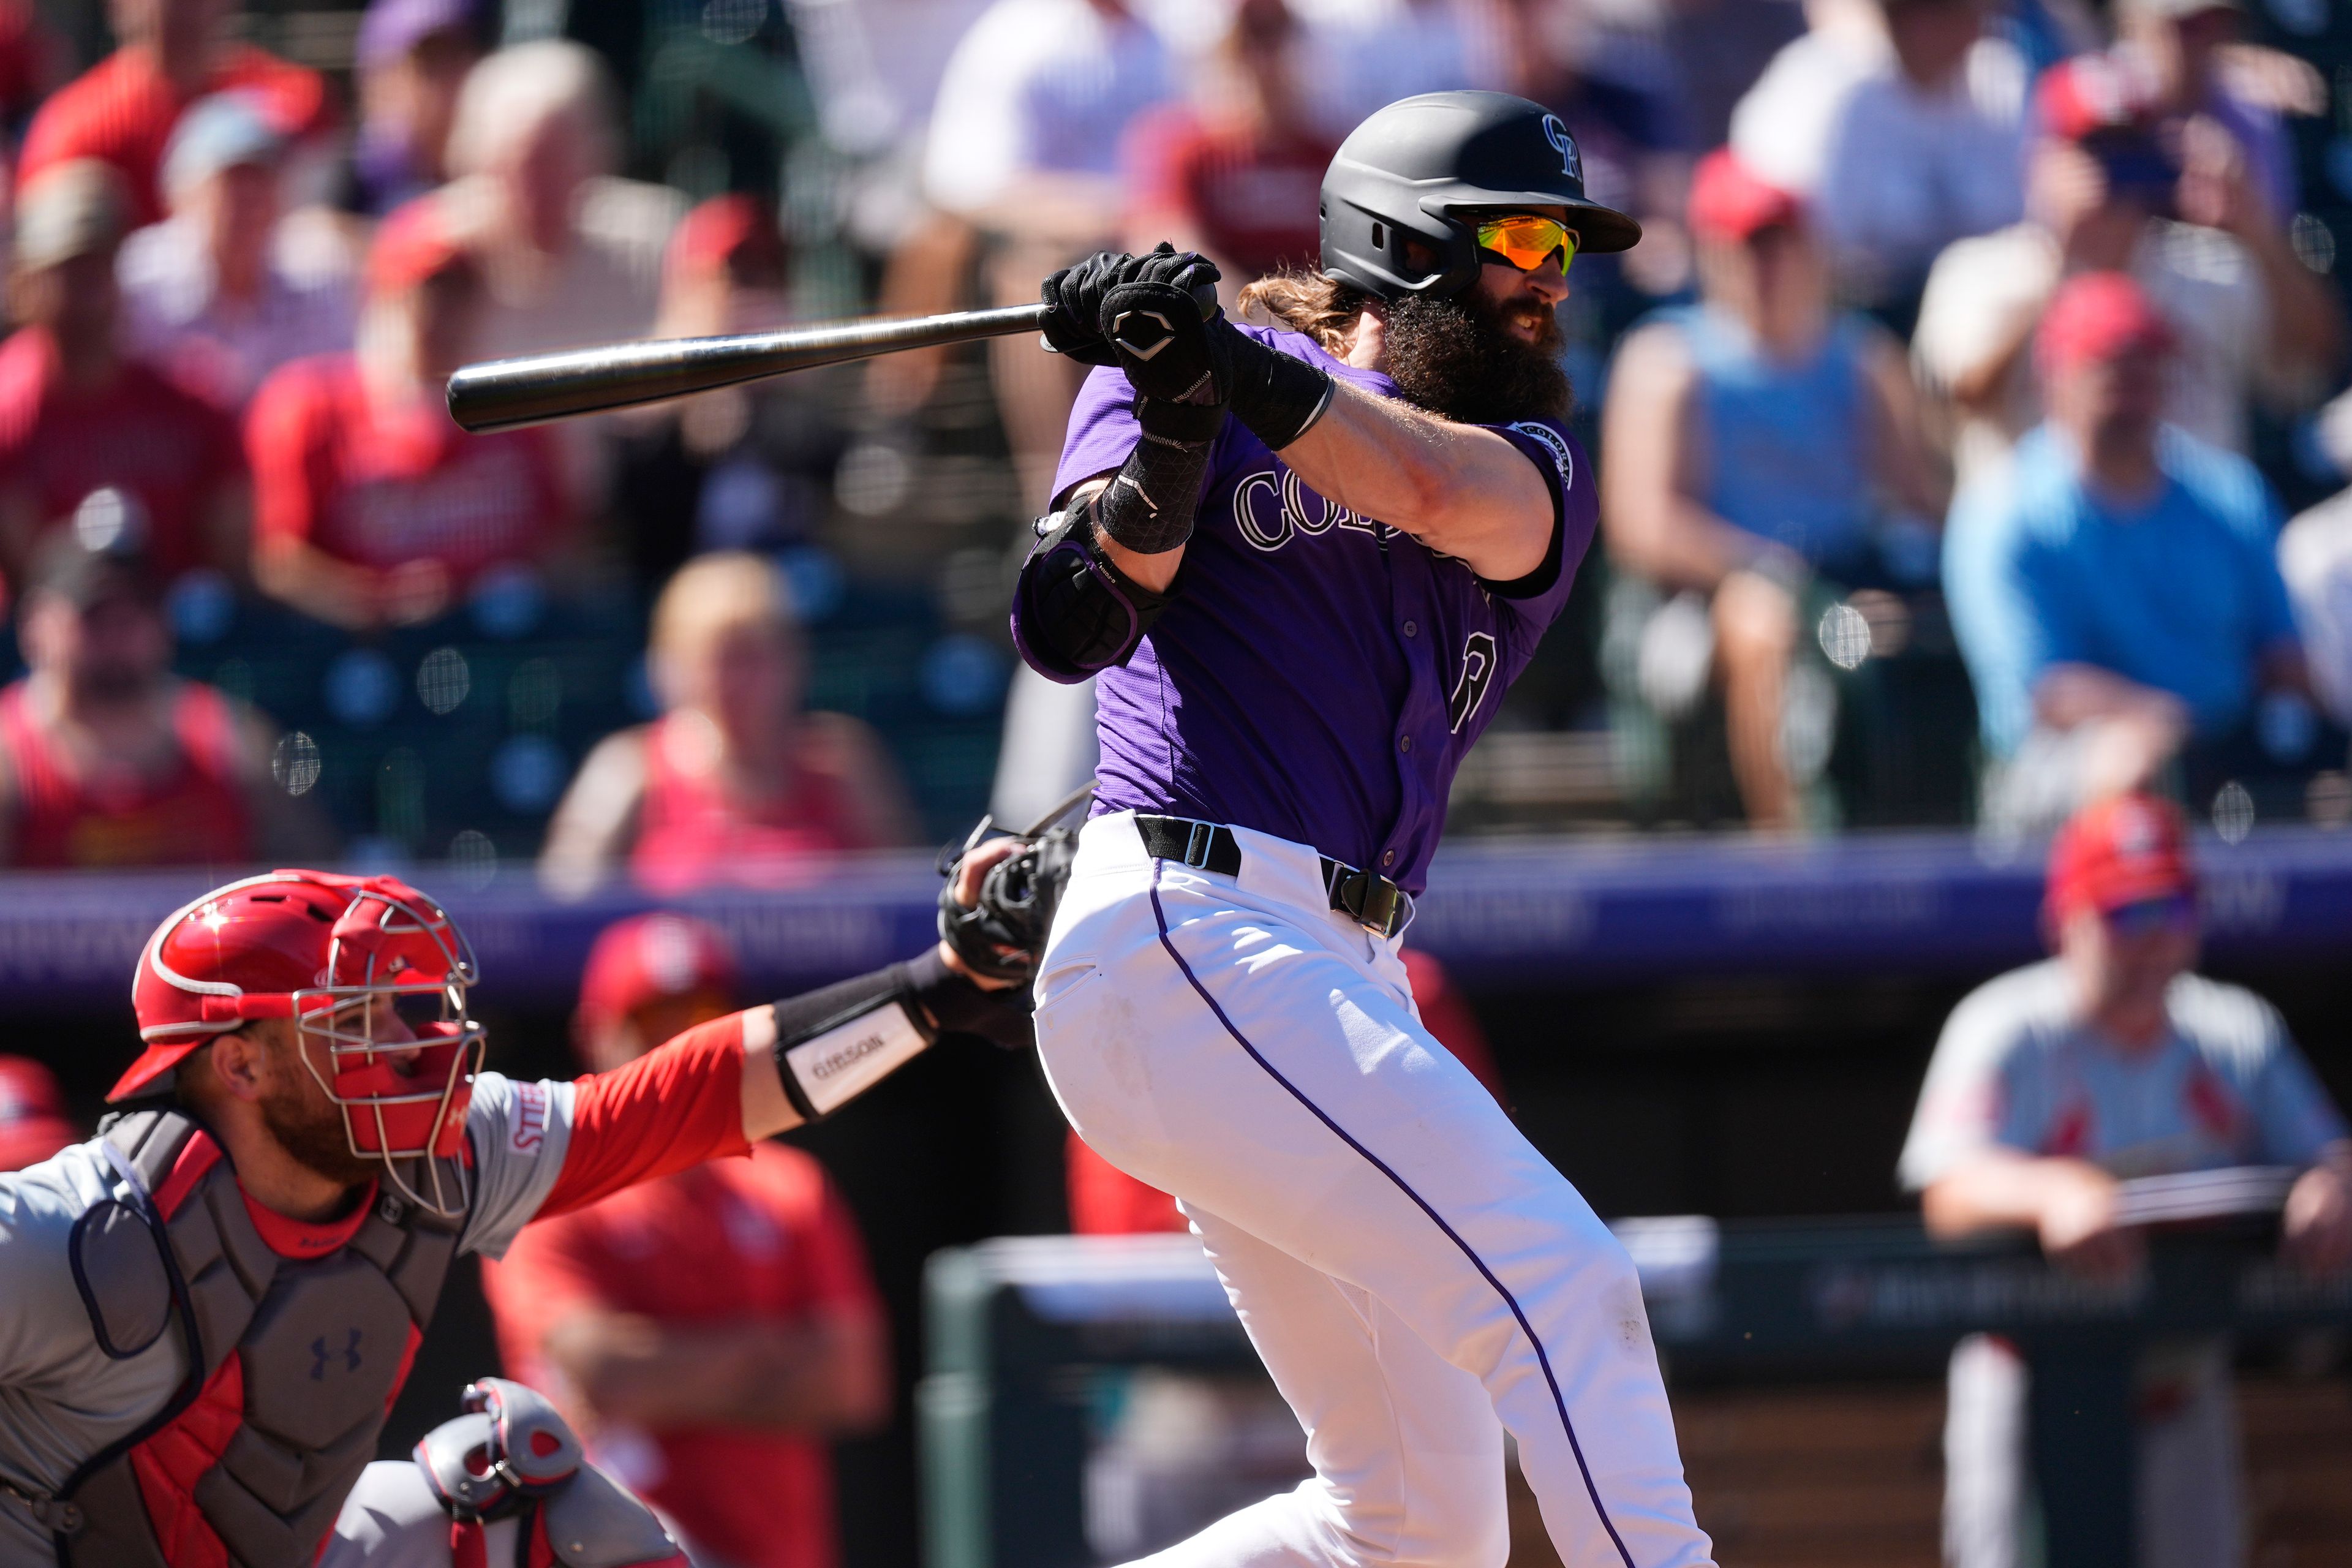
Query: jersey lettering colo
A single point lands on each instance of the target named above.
(1319, 675)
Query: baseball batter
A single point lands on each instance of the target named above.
(1305, 561)
(206, 1310)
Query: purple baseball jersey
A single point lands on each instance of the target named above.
(1319, 675)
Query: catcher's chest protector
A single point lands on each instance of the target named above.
(294, 1361)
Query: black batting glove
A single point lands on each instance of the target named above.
(1180, 363)
(1074, 297)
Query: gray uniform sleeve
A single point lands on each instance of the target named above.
(1963, 1106)
(519, 1132)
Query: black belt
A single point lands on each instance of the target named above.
(1369, 899)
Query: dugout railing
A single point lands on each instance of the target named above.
(1022, 1333)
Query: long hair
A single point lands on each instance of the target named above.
(1305, 303)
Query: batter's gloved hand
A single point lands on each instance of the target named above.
(1189, 368)
(1073, 297)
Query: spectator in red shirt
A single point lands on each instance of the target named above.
(1107, 1201)
(78, 415)
(106, 759)
(707, 1333)
(1238, 177)
(173, 52)
(372, 507)
(737, 784)
(32, 1124)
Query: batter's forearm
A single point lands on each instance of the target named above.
(1456, 488)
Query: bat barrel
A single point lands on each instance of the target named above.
(504, 393)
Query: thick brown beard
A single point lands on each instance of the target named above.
(315, 1136)
(1457, 359)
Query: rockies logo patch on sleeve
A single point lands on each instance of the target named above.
(1556, 443)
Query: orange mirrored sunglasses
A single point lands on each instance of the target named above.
(1525, 241)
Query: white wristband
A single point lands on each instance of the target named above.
(833, 1068)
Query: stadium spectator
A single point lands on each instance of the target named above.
(1782, 126)
(1107, 1201)
(1023, 146)
(2114, 588)
(2054, 1083)
(169, 53)
(744, 467)
(709, 1332)
(2103, 195)
(372, 507)
(77, 415)
(1751, 443)
(1236, 176)
(411, 61)
(227, 290)
(736, 784)
(571, 253)
(1926, 149)
(2316, 558)
(1368, 53)
(2181, 52)
(32, 60)
(108, 760)
(33, 1121)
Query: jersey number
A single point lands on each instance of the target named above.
(1477, 674)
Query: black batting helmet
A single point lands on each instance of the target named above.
(1411, 170)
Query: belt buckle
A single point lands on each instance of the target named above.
(1197, 846)
(1375, 904)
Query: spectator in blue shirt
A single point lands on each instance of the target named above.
(2115, 591)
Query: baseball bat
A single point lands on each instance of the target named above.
(501, 395)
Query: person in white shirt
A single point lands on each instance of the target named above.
(2104, 197)
(227, 290)
(1024, 147)
(571, 254)
(1928, 148)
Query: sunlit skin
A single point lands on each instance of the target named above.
(269, 1072)
(2120, 969)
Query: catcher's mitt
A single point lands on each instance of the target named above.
(1004, 935)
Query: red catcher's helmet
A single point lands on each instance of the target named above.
(366, 966)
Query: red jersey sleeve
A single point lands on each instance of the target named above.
(673, 1108)
(281, 435)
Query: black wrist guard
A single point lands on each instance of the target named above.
(835, 1044)
(1079, 612)
(1150, 504)
(1279, 398)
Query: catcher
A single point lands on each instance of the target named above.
(206, 1310)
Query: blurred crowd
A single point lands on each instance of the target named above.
(1948, 418)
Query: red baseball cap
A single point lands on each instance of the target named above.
(1730, 201)
(651, 958)
(32, 1124)
(2085, 96)
(416, 242)
(717, 231)
(2123, 850)
(2097, 318)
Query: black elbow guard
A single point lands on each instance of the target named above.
(1076, 612)
(835, 1044)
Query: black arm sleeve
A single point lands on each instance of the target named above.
(835, 1042)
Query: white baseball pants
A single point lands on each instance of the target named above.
(1408, 1266)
